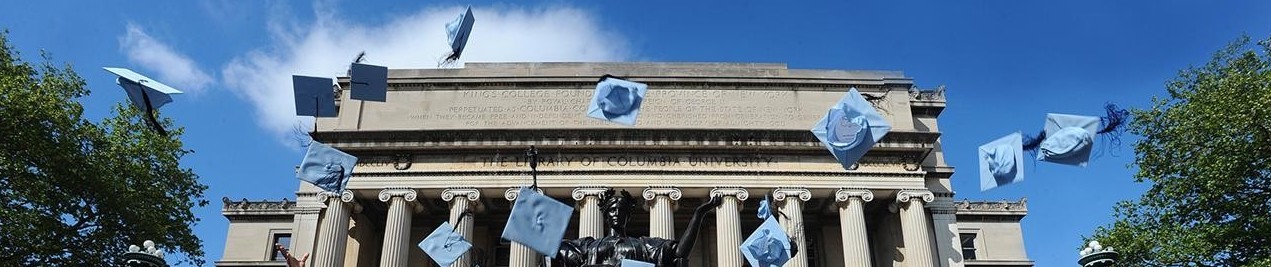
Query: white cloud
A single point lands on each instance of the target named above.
(324, 47)
(173, 68)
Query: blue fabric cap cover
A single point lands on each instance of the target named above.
(765, 208)
(768, 246)
(457, 32)
(635, 263)
(538, 222)
(369, 82)
(1069, 139)
(850, 128)
(1002, 162)
(444, 246)
(140, 88)
(314, 96)
(326, 167)
(617, 100)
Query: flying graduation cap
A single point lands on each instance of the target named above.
(768, 246)
(1002, 162)
(326, 167)
(457, 32)
(445, 246)
(617, 100)
(635, 263)
(850, 128)
(538, 222)
(314, 96)
(146, 94)
(1068, 139)
(369, 82)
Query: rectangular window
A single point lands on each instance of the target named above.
(968, 245)
(281, 238)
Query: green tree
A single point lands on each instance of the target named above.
(1206, 150)
(77, 193)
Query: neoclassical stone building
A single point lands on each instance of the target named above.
(454, 140)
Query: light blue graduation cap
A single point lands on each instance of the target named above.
(326, 167)
(444, 246)
(1069, 139)
(617, 100)
(635, 263)
(369, 82)
(850, 128)
(457, 32)
(314, 96)
(538, 222)
(1002, 162)
(765, 208)
(768, 246)
(146, 94)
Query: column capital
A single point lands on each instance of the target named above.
(738, 192)
(345, 196)
(845, 194)
(408, 194)
(914, 194)
(652, 192)
(582, 192)
(514, 192)
(450, 193)
(781, 193)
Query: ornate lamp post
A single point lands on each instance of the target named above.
(150, 257)
(1095, 255)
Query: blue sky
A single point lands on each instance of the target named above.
(1005, 64)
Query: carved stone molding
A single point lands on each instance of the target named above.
(514, 192)
(671, 192)
(582, 192)
(245, 204)
(738, 192)
(781, 193)
(450, 193)
(1021, 205)
(406, 193)
(845, 194)
(912, 194)
(402, 162)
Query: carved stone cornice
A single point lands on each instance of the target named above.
(845, 194)
(913, 194)
(740, 193)
(281, 205)
(1004, 207)
(781, 193)
(514, 192)
(472, 194)
(582, 192)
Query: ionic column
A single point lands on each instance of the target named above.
(334, 230)
(793, 199)
(520, 256)
(913, 220)
(728, 225)
(852, 218)
(590, 222)
(401, 207)
(661, 210)
(460, 199)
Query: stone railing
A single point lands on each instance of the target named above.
(992, 207)
(263, 207)
(927, 95)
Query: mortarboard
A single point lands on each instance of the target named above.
(369, 82)
(457, 32)
(850, 128)
(444, 246)
(768, 246)
(765, 208)
(1002, 162)
(314, 96)
(538, 222)
(146, 94)
(635, 263)
(326, 167)
(1069, 139)
(617, 100)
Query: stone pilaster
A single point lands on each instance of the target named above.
(728, 225)
(333, 233)
(851, 204)
(662, 202)
(460, 199)
(945, 221)
(401, 208)
(913, 221)
(590, 221)
(520, 255)
(792, 206)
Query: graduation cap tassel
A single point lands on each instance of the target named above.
(458, 221)
(1031, 143)
(154, 123)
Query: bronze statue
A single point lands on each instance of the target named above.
(612, 249)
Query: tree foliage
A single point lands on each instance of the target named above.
(1206, 150)
(78, 193)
